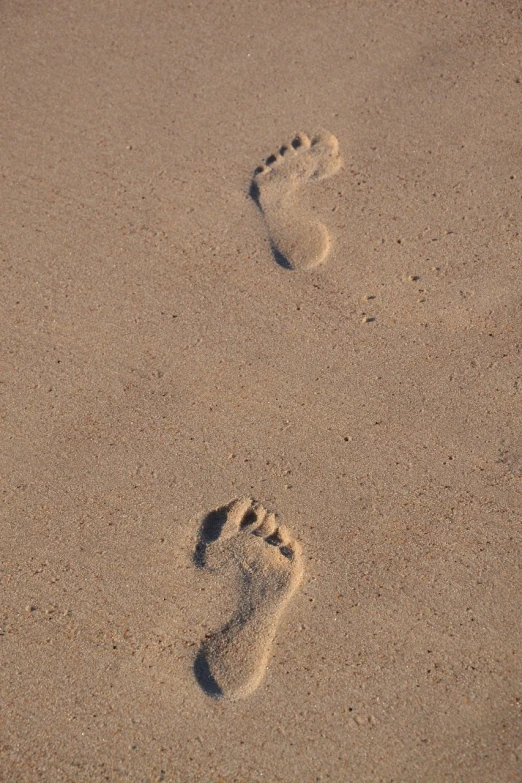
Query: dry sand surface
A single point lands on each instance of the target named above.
(261, 451)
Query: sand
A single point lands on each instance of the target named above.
(261, 448)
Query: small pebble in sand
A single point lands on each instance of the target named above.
(30, 608)
(368, 319)
(413, 278)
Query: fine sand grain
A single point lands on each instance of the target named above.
(261, 391)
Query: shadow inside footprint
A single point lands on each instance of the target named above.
(254, 194)
(210, 531)
(205, 679)
(279, 258)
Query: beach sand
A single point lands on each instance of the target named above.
(262, 451)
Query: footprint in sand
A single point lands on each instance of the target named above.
(244, 537)
(298, 241)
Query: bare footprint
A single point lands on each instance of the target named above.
(244, 536)
(298, 241)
